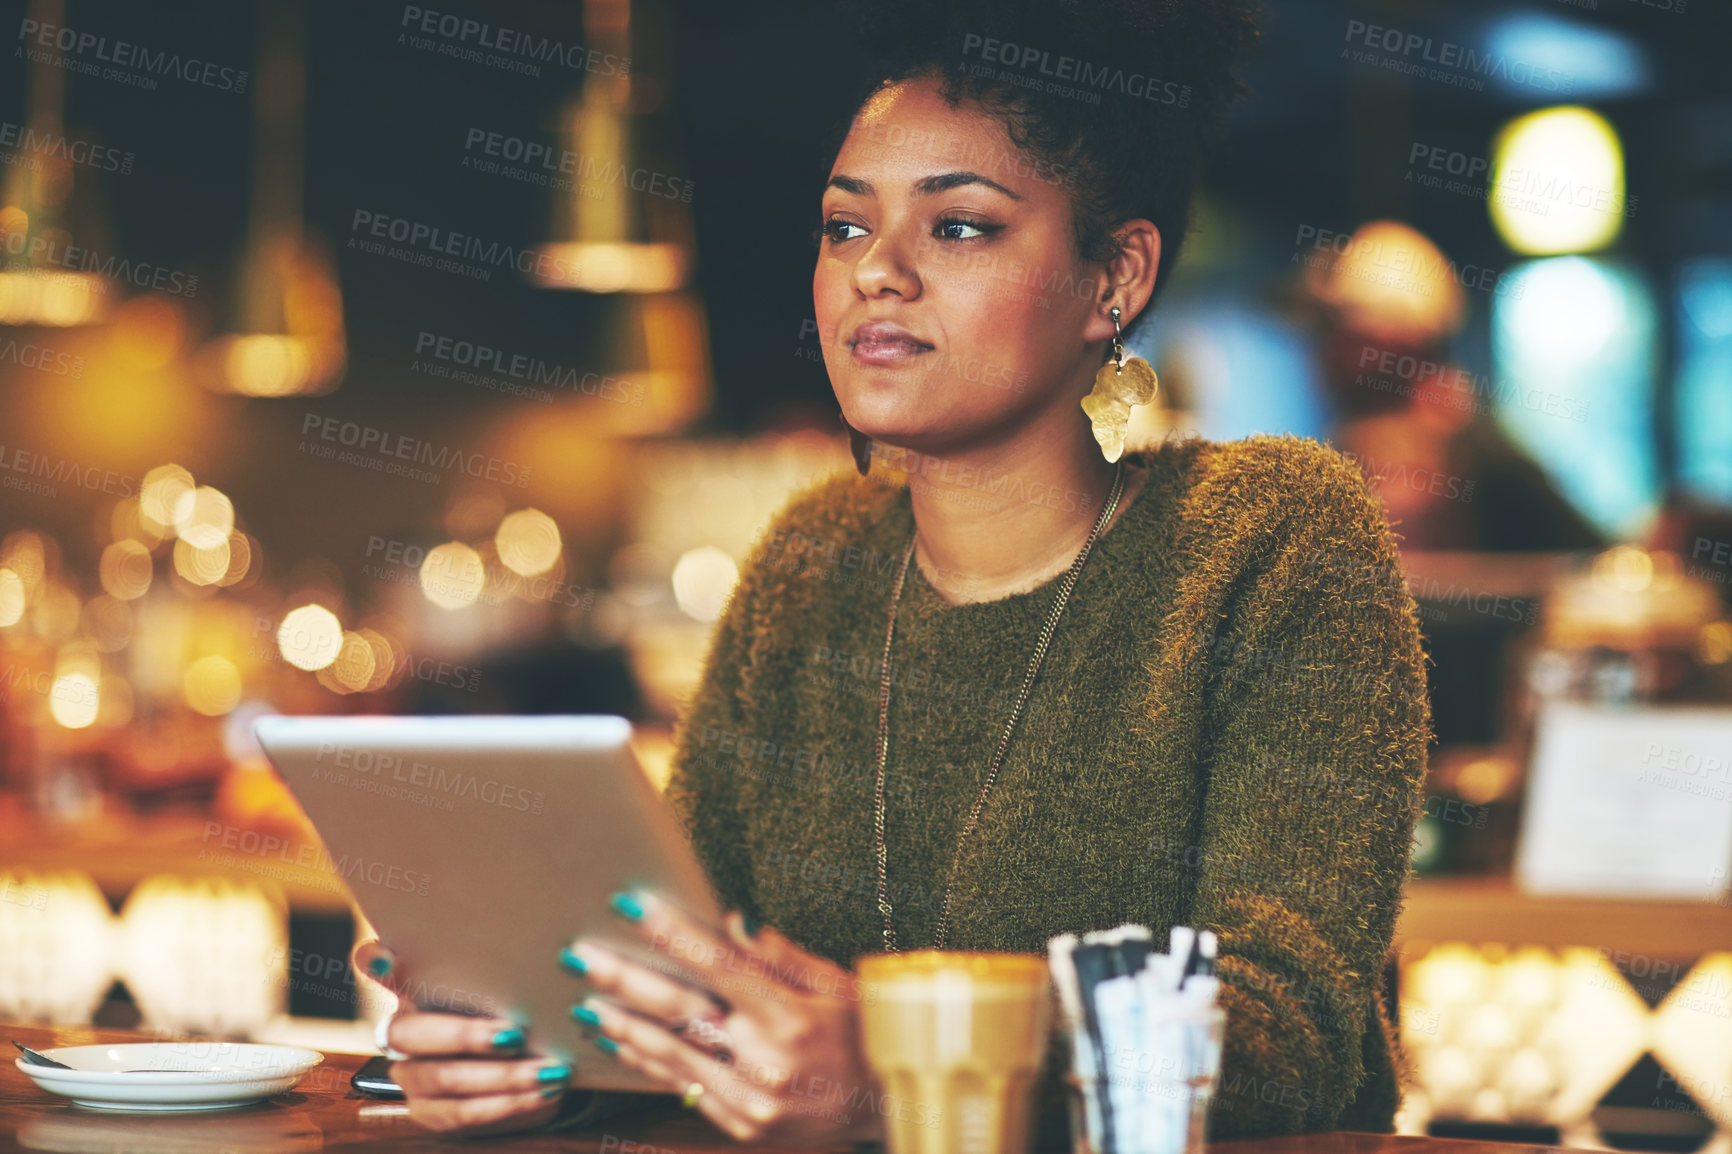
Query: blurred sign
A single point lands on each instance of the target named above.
(1630, 802)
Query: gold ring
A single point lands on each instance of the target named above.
(692, 1094)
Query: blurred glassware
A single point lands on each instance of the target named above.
(1630, 627)
(206, 955)
(55, 946)
(1523, 1036)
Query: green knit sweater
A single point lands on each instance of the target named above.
(1229, 731)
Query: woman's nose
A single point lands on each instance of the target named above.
(887, 266)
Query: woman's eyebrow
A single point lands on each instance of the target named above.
(852, 184)
(925, 186)
(945, 181)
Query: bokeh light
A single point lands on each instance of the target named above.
(453, 575)
(354, 667)
(212, 685)
(26, 554)
(126, 569)
(204, 517)
(1558, 176)
(201, 566)
(310, 637)
(73, 701)
(528, 542)
(242, 550)
(129, 522)
(702, 579)
(161, 492)
(384, 659)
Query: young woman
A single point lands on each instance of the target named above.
(1184, 686)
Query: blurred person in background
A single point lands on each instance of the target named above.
(1420, 426)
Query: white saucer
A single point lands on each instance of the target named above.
(182, 1075)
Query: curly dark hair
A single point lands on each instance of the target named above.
(1122, 101)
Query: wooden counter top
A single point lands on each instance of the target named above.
(322, 1113)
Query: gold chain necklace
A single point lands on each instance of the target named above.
(1069, 583)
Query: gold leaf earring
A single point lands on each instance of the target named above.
(1122, 382)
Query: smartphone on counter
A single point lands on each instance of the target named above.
(374, 1079)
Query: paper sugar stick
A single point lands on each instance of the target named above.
(1120, 1008)
(1093, 965)
(1209, 944)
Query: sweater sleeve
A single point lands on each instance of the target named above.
(1314, 764)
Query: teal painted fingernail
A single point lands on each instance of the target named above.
(749, 923)
(627, 907)
(508, 1039)
(553, 1073)
(606, 1043)
(573, 963)
(586, 1016)
(553, 1091)
(379, 965)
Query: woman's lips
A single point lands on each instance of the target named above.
(886, 344)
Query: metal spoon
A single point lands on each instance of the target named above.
(36, 1059)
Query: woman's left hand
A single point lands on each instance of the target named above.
(779, 1061)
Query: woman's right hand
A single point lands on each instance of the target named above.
(468, 1075)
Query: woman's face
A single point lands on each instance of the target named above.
(951, 301)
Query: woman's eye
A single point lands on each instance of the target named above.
(957, 228)
(835, 230)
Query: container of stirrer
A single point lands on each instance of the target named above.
(1145, 1035)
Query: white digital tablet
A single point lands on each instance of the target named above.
(480, 846)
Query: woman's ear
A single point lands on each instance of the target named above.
(1129, 278)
